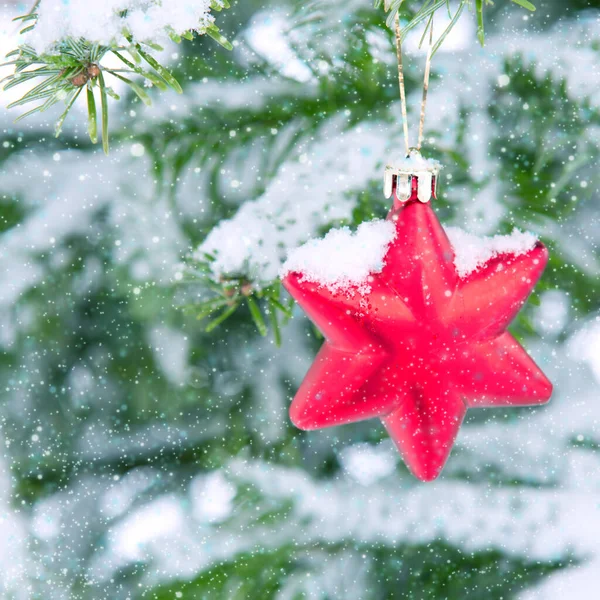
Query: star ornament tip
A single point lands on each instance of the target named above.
(422, 344)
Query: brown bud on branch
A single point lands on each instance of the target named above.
(91, 72)
(79, 80)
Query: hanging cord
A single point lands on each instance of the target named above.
(425, 86)
(401, 82)
(402, 88)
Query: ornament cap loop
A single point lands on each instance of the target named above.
(413, 177)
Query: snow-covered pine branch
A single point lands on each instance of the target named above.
(116, 22)
(307, 194)
(63, 48)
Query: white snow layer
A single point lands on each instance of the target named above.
(255, 242)
(472, 251)
(104, 22)
(415, 162)
(343, 259)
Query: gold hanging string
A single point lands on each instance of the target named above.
(401, 82)
(425, 86)
(402, 88)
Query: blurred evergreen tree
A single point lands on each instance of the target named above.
(152, 459)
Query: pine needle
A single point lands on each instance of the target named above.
(525, 4)
(92, 115)
(480, 27)
(257, 316)
(138, 90)
(70, 102)
(222, 317)
(104, 102)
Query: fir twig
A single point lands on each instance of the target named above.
(72, 64)
(231, 293)
(429, 7)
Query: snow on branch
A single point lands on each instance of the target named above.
(310, 194)
(305, 196)
(65, 43)
(106, 22)
(469, 519)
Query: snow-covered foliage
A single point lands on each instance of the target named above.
(106, 22)
(144, 458)
(260, 251)
(66, 47)
(415, 162)
(256, 241)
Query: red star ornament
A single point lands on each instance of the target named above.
(424, 344)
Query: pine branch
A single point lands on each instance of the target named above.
(74, 63)
(225, 297)
(428, 8)
(532, 162)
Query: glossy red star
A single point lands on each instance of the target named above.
(423, 346)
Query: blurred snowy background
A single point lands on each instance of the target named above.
(144, 458)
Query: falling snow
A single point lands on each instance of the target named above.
(144, 457)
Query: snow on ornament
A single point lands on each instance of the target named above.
(416, 333)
